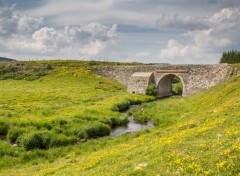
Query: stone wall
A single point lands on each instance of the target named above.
(194, 77)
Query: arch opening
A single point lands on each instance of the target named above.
(170, 85)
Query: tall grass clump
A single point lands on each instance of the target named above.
(4, 127)
(98, 130)
(44, 140)
(14, 133)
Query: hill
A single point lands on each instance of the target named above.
(197, 135)
(6, 59)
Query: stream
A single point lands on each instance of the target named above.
(131, 127)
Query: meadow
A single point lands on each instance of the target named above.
(50, 126)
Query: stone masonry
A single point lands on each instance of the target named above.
(195, 78)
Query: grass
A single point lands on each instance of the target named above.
(197, 135)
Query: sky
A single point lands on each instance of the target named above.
(148, 31)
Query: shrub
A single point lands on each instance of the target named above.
(119, 120)
(106, 121)
(41, 140)
(93, 62)
(121, 106)
(151, 90)
(177, 89)
(33, 76)
(78, 131)
(4, 126)
(14, 133)
(141, 117)
(7, 149)
(176, 79)
(62, 140)
(49, 67)
(98, 130)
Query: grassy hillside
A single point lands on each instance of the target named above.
(197, 135)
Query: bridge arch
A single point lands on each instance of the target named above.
(164, 86)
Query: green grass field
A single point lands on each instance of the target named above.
(54, 119)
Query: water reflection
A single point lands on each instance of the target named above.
(131, 127)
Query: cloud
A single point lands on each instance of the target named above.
(206, 38)
(175, 50)
(142, 54)
(90, 39)
(223, 29)
(178, 21)
(180, 31)
(28, 24)
(11, 24)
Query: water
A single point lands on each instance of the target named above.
(131, 127)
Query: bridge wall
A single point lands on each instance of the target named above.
(195, 78)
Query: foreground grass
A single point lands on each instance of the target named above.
(196, 135)
(66, 106)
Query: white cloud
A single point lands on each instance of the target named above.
(22, 34)
(178, 21)
(226, 16)
(93, 48)
(206, 38)
(223, 29)
(89, 40)
(85, 28)
(175, 50)
(27, 23)
(12, 24)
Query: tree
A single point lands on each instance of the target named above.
(230, 57)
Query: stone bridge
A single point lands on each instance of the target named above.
(194, 78)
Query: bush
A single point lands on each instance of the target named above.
(4, 126)
(119, 120)
(14, 133)
(141, 117)
(98, 130)
(62, 140)
(121, 106)
(93, 62)
(177, 89)
(44, 140)
(151, 90)
(41, 140)
(34, 76)
(77, 131)
(7, 150)
(49, 67)
(106, 121)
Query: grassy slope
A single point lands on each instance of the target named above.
(69, 98)
(196, 135)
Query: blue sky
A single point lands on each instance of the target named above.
(159, 31)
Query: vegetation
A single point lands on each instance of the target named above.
(4, 59)
(177, 86)
(19, 71)
(67, 106)
(230, 57)
(74, 105)
(151, 90)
